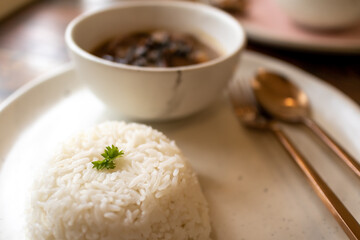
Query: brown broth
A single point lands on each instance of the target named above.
(156, 49)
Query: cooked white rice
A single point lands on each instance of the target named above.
(151, 194)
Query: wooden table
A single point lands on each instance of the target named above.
(32, 42)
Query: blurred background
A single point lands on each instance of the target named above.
(32, 42)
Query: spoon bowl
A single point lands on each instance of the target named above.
(280, 97)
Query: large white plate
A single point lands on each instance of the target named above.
(265, 22)
(254, 190)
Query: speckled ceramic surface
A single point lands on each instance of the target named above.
(253, 188)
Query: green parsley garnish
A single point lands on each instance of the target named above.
(110, 154)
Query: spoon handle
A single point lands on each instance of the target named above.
(333, 145)
(332, 202)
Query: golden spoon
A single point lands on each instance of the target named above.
(283, 100)
(246, 110)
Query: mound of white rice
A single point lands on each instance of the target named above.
(151, 194)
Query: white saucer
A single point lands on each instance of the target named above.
(265, 23)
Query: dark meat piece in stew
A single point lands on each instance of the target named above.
(156, 49)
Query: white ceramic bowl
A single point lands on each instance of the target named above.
(323, 14)
(145, 93)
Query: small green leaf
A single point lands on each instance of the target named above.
(110, 154)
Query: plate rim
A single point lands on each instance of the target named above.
(35, 82)
(261, 37)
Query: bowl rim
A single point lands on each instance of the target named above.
(74, 47)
